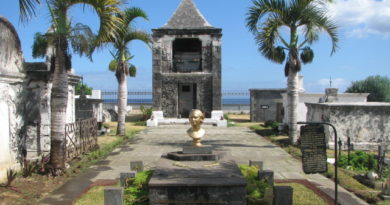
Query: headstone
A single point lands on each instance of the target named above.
(137, 166)
(386, 190)
(258, 164)
(313, 148)
(124, 177)
(113, 196)
(283, 195)
(267, 175)
(269, 195)
(217, 115)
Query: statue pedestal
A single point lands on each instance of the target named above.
(204, 149)
(191, 153)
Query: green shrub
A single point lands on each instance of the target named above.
(137, 191)
(272, 124)
(146, 112)
(255, 188)
(359, 160)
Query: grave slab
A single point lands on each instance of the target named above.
(197, 183)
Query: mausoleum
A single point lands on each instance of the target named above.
(186, 64)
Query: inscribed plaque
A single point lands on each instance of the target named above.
(313, 148)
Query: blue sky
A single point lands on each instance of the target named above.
(364, 47)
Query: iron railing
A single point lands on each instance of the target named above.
(81, 137)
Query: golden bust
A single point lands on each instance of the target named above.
(196, 132)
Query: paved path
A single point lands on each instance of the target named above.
(242, 143)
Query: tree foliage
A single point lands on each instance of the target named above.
(377, 86)
(79, 86)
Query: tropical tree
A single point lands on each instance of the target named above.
(27, 9)
(377, 86)
(122, 55)
(62, 32)
(303, 19)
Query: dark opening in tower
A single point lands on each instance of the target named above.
(187, 55)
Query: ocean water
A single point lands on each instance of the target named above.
(225, 101)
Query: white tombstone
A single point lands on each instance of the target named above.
(155, 117)
(217, 115)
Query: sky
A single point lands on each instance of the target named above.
(364, 47)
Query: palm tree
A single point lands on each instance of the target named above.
(27, 9)
(122, 55)
(304, 19)
(59, 35)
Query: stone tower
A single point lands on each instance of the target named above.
(187, 64)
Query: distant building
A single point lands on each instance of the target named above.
(187, 64)
(272, 104)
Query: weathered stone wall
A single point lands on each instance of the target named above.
(11, 97)
(38, 111)
(266, 104)
(165, 80)
(367, 124)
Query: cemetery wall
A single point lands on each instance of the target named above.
(11, 99)
(266, 104)
(367, 124)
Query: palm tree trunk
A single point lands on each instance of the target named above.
(59, 100)
(122, 99)
(292, 99)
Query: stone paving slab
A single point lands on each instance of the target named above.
(242, 144)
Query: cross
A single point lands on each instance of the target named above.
(330, 82)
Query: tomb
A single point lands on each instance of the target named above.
(186, 64)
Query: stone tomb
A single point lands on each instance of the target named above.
(206, 182)
(186, 64)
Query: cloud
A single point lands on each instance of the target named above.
(362, 17)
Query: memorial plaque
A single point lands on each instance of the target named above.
(313, 148)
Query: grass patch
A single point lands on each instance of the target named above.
(255, 189)
(303, 195)
(93, 196)
(345, 177)
(136, 192)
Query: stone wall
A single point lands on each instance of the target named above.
(38, 111)
(11, 97)
(166, 80)
(266, 104)
(367, 124)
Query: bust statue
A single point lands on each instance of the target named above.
(196, 132)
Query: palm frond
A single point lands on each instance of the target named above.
(40, 45)
(267, 39)
(82, 40)
(129, 14)
(260, 9)
(27, 9)
(106, 10)
(138, 35)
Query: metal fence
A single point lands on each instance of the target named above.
(232, 100)
(81, 137)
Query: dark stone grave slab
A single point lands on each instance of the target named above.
(137, 166)
(180, 156)
(313, 148)
(125, 176)
(258, 164)
(201, 182)
(283, 195)
(267, 175)
(113, 196)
